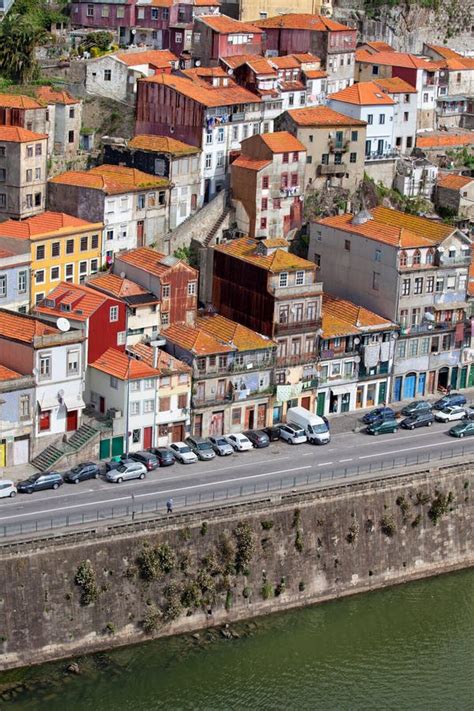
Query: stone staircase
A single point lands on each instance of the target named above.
(51, 456)
(216, 227)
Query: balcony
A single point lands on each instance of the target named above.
(384, 155)
(331, 168)
(222, 400)
(287, 292)
(310, 384)
(289, 327)
(293, 360)
(335, 146)
(461, 260)
(427, 327)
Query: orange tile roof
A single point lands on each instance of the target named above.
(7, 374)
(83, 301)
(156, 3)
(278, 261)
(393, 227)
(227, 25)
(282, 142)
(16, 134)
(302, 21)
(239, 59)
(314, 73)
(207, 96)
(343, 318)
(152, 261)
(195, 340)
(380, 46)
(292, 85)
(55, 96)
(166, 363)
(397, 59)
(120, 287)
(45, 224)
(163, 144)
(444, 140)
(119, 365)
(232, 333)
(206, 3)
(111, 179)
(159, 58)
(20, 327)
(260, 65)
(454, 60)
(19, 101)
(205, 72)
(395, 85)
(306, 57)
(365, 93)
(322, 116)
(452, 181)
(250, 163)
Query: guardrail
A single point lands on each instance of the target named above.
(132, 511)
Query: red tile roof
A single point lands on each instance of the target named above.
(454, 60)
(149, 260)
(397, 59)
(227, 25)
(54, 96)
(343, 318)
(47, 223)
(278, 260)
(282, 142)
(322, 116)
(452, 181)
(444, 139)
(314, 73)
(207, 96)
(302, 21)
(120, 365)
(260, 65)
(16, 134)
(380, 46)
(7, 374)
(166, 363)
(239, 59)
(111, 179)
(250, 163)
(163, 144)
(159, 58)
(19, 101)
(233, 334)
(120, 287)
(395, 85)
(365, 93)
(83, 301)
(20, 327)
(195, 340)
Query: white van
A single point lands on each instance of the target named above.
(316, 430)
(7, 488)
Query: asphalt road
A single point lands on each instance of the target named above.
(280, 466)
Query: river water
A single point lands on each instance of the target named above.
(409, 647)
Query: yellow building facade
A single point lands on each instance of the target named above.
(261, 9)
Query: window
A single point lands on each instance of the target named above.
(44, 367)
(113, 314)
(38, 199)
(165, 319)
(69, 272)
(245, 130)
(82, 268)
(3, 286)
(208, 138)
(353, 158)
(409, 141)
(192, 288)
(107, 75)
(70, 246)
(378, 255)
(73, 363)
(425, 98)
(347, 245)
(263, 223)
(29, 175)
(84, 244)
(25, 407)
(299, 278)
(3, 200)
(264, 204)
(29, 200)
(418, 285)
(220, 135)
(413, 348)
(401, 349)
(90, 11)
(317, 260)
(284, 181)
(155, 14)
(55, 275)
(37, 173)
(178, 37)
(165, 291)
(376, 281)
(283, 280)
(415, 316)
(3, 175)
(370, 119)
(40, 252)
(22, 283)
(255, 128)
(39, 276)
(429, 285)
(439, 284)
(381, 118)
(375, 70)
(265, 182)
(404, 318)
(296, 346)
(338, 158)
(403, 259)
(424, 346)
(164, 404)
(451, 283)
(354, 135)
(406, 287)
(416, 257)
(325, 159)
(430, 256)
(135, 407)
(148, 406)
(276, 203)
(451, 253)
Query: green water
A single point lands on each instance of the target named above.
(411, 647)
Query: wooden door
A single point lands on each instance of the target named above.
(249, 418)
(147, 437)
(216, 426)
(261, 416)
(177, 433)
(102, 405)
(71, 421)
(140, 233)
(306, 402)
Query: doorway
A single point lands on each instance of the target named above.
(177, 433)
(147, 437)
(321, 403)
(216, 426)
(261, 416)
(443, 379)
(102, 405)
(409, 386)
(140, 233)
(71, 421)
(420, 388)
(382, 393)
(249, 418)
(306, 402)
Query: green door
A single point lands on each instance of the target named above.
(471, 377)
(454, 378)
(104, 449)
(463, 378)
(382, 393)
(320, 404)
(117, 446)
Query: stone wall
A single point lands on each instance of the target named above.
(99, 589)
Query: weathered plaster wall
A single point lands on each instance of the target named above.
(199, 570)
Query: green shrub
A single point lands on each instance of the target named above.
(299, 541)
(266, 525)
(301, 585)
(86, 580)
(172, 608)
(166, 558)
(296, 518)
(440, 506)
(387, 524)
(110, 628)
(152, 620)
(403, 504)
(228, 600)
(246, 592)
(266, 591)
(416, 521)
(191, 596)
(245, 539)
(147, 563)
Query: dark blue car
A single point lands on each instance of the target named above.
(449, 400)
(380, 413)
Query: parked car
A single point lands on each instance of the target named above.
(382, 427)
(183, 453)
(462, 429)
(292, 434)
(201, 447)
(449, 400)
(40, 481)
(422, 419)
(129, 469)
(7, 489)
(239, 442)
(259, 438)
(81, 472)
(164, 456)
(149, 459)
(416, 407)
(115, 462)
(380, 413)
(449, 414)
(221, 446)
(313, 426)
(273, 433)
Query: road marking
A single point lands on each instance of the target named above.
(346, 460)
(407, 436)
(397, 451)
(324, 464)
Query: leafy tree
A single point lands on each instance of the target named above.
(19, 37)
(102, 40)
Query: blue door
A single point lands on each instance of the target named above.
(409, 386)
(397, 390)
(421, 384)
(276, 414)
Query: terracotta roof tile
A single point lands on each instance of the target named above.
(454, 60)
(397, 59)
(111, 179)
(322, 116)
(20, 327)
(302, 21)
(452, 181)
(282, 142)
(119, 287)
(120, 365)
(195, 340)
(365, 93)
(53, 96)
(156, 3)
(380, 46)
(163, 144)
(278, 260)
(207, 96)
(260, 65)
(166, 363)
(395, 85)
(343, 318)
(227, 25)
(149, 260)
(292, 86)
(83, 301)
(47, 223)
(233, 334)
(444, 140)
(19, 101)
(250, 163)
(16, 134)
(159, 58)
(239, 59)
(206, 3)
(314, 73)
(7, 374)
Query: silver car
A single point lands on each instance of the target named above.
(221, 446)
(201, 447)
(128, 469)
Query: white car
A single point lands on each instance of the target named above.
(183, 453)
(128, 469)
(292, 434)
(455, 412)
(7, 488)
(239, 442)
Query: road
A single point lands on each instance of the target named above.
(349, 457)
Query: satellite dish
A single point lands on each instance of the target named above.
(63, 324)
(122, 275)
(356, 340)
(61, 393)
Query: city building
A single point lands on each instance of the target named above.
(415, 177)
(172, 281)
(117, 17)
(414, 272)
(404, 112)
(261, 285)
(248, 10)
(455, 88)
(305, 69)
(132, 205)
(64, 120)
(455, 196)
(267, 182)
(62, 247)
(15, 278)
(16, 417)
(25, 112)
(101, 318)
(23, 168)
(217, 36)
(335, 145)
(437, 145)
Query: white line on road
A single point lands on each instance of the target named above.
(346, 460)
(324, 464)
(397, 451)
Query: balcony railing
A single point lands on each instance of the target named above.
(427, 327)
(458, 261)
(284, 292)
(212, 401)
(384, 155)
(297, 326)
(310, 384)
(292, 360)
(331, 168)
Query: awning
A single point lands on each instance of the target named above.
(342, 389)
(47, 402)
(450, 305)
(73, 402)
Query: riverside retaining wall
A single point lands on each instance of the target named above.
(98, 589)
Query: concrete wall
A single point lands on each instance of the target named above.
(247, 561)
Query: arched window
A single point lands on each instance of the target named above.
(417, 257)
(430, 256)
(403, 259)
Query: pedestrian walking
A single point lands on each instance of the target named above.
(169, 506)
